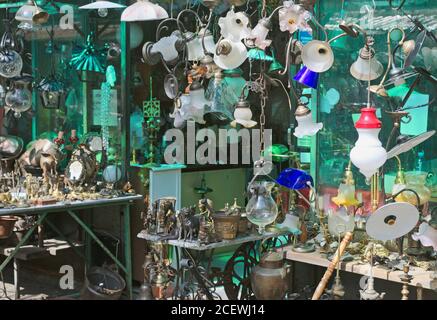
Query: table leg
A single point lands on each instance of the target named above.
(41, 235)
(22, 242)
(419, 291)
(17, 278)
(127, 249)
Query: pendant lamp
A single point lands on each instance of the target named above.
(143, 10)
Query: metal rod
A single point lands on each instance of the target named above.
(88, 230)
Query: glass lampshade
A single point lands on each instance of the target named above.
(143, 10)
(261, 209)
(294, 179)
(229, 54)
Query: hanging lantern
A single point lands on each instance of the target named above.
(368, 155)
(52, 92)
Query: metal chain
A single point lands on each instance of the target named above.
(262, 117)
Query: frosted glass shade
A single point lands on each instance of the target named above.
(368, 155)
(234, 57)
(366, 70)
(306, 126)
(143, 10)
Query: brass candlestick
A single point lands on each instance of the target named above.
(406, 279)
(374, 191)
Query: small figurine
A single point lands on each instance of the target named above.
(189, 223)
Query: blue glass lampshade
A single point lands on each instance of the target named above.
(294, 179)
(258, 54)
(307, 77)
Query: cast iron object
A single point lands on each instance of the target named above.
(269, 277)
(102, 284)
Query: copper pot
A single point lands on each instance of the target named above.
(7, 226)
(269, 279)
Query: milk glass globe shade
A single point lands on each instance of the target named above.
(368, 155)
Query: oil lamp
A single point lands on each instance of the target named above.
(143, 10)
(368, 155)
(306, 126)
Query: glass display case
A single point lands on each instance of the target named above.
(342, 92)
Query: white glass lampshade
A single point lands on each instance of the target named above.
(166, 47)
(26, 12)
(306, 126)
(235, 26)
(193, 105)
(259, 34)
(229, 54)
(317, 56)
(102, 4)
(243, 115)
(427, 236)
(198, 99)
(143, 10)
(368, 154)
(194, 48)
(208, 40)
(366, 70)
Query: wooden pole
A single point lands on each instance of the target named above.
(328, 273)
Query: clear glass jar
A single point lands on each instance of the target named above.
(19, 98)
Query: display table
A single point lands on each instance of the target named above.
(421, 278)
(70, 207)
(185, 249)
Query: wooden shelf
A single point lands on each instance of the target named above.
(421, 277)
